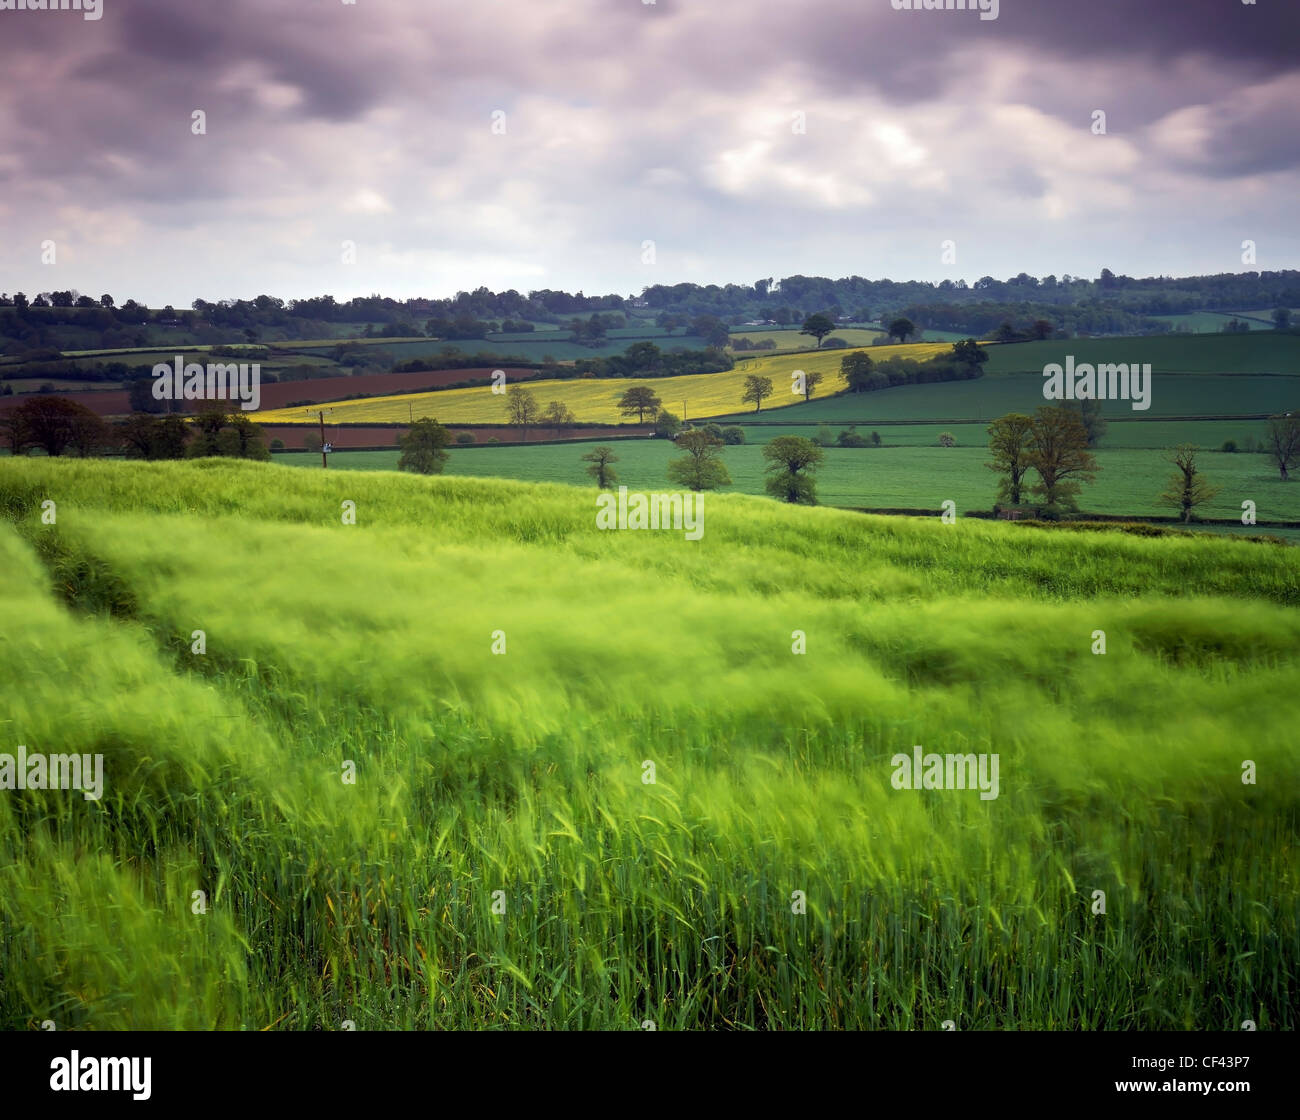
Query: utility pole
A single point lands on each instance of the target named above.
(324, 447)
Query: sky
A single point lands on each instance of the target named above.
(421, 148)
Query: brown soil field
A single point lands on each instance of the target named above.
(362, 436)
(115, 402)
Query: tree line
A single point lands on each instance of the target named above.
(58, 426)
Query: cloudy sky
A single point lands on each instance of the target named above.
(541, 143)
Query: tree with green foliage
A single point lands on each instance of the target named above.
(701, 468)
(522, 407)
(1282, 318)
(733, 435)
(791, 462)
(901, 329)
(1041, 329)
(1282, 442)
(757, 389)
(849, 437)
(712, 329)
(811, 380)
(1089, 411)
(639, 399)
(1187, 488)
(824, 436)
(666, 424)
(424, 447)
(642, 357)
(558, 415)
(54, 423)
(228, 435)
(1009, 440)
(600, 460)
(969, 352)
(153, 437)
(818, 325)
(857, 368)
(1058, 452)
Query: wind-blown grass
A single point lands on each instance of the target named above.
(522, 773)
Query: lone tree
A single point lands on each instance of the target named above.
(818, 325)
(523, 407)
(424, 447)
(857, 368)
(810, 382)
(639, 399)
(901, 329)
(701, 468)
(969, 352)
(1058, 451)
(1009, 439)
(791, 462)
(1187, 488)
(757, 389)
(1282, 442)
(600, 458)
(558, 415)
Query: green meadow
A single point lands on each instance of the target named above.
(595, 787)
(1256, 352)
(994, 395)
(529, 347)
(916, 474)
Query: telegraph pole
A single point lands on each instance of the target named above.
(324, 447)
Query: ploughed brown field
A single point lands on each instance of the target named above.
(366, 436)
(116, 402)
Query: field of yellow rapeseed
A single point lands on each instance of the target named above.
(596, 401)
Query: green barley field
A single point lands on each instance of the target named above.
(596, 787)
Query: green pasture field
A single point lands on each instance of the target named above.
(914, 476)
(1150, 434)
(991, 396)
(533, 351)
(1257, 352)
